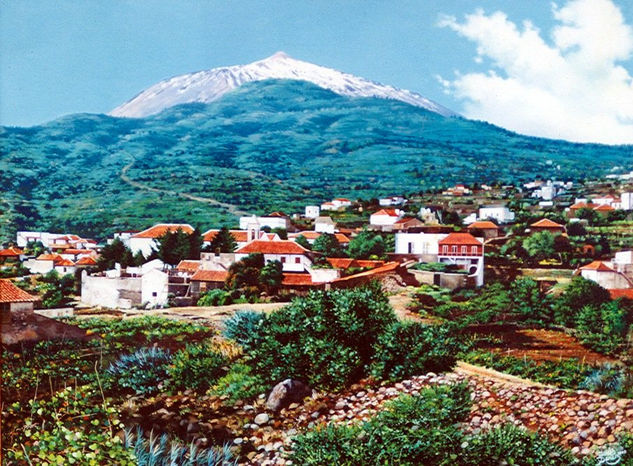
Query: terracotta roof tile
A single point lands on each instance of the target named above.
(188, 265)
(11, 252)
(296, 279)
(272, 247)
(621, 293)
(483, 225)
(159, 230)
(388, 212)
(597, 265)
(210, 276)
(460, 238)
(86, 260)
(9, 293)
(604, 208)
(546, 223)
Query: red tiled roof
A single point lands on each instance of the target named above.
(460, 238)
(210, 276)
(277, 214)
(240, 236)
(296, 279)
(272, 247)
(597, 265)
(547, 223)
(306, 234)
(188, 265)
(159, 230)
(603, 207)
(388, 212)
(582, 205)
(10, 252)
(87, 260)
(64, 263)
(342, 239)
(9, 293)
(342, 199)
(406, 220)
(78, 251)
(50, 257)
(483, 225)
(621, 293)
(346, 263)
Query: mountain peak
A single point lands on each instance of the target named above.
(211, 85)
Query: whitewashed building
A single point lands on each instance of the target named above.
(146, 241)
(385, 217)
(500, 213)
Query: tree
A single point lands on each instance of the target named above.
(529, 302)
(327, 244)
(366, 245)
(540, 245)
(116, 253)
(56, 289)
(579, 293)
(281, 232)
(178, 245)
(223, 241)
(302, 241)
(245, 273)
(270, 276)
(35, 248)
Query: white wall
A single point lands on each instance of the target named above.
(154, 288)
(36, 266)
(324, 227)
(608, 280)
(312, 211)
(501, 214)
(421, 243)
(106, 291)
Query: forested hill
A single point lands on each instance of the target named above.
(270, 145)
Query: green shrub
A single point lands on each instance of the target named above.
(326, 331)
(603, 328)
(412, 430)
(615, 381)
(197, 367)
(243, 328)
(509, 444)
(142, 372)
(217, 297)
(239, 384)
(410, 348)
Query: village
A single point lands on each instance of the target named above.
(525, 292)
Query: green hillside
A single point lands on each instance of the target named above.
(266, 146)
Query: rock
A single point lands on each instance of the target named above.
(287, 392)
(261, 419)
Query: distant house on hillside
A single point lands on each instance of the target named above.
(484, 229)
(547, 225)
(11, 254)
(385, 217)
(605, 275)
(500, 213)
(407, 223)
(340, 203)
(293, 257)
(14, 299)
(391, 201)
(273, 220)
(466, 251)
(146, 241)
(324, 224)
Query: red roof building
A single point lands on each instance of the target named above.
(272, 247)
(460, 244)
(547, 225)
(11, 253)
(159, 230)
(14, 299)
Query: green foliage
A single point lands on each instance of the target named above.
(328, 245)
(73, 426)
(325, 331)
(55, 290)
(412, 430)
(579, 293)
(223, 241)
(198, 366)
(366, 245)
(509, 444)
(410, 348)
(178, 245)
(438, 267)
(302, 241)
(612, 380)
(270, 276)
(243, 328)
(161, 450)
(540, 245)
(142, 372)
(603, 328)
(239, 384)
(216, 297)
(244, 274)
(117, 252)
(529, 302)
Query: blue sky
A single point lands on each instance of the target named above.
(60, 57)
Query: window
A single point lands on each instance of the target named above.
(464, 250)
(473, 250)
(454, 249)
(444, 249)
(283, 260)
(154, 294)
(297, 260)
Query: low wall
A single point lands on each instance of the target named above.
(443, 279)
(59, 312)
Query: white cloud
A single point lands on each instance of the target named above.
(572, 86)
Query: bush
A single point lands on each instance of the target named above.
(611, 380)
(197, 367)
(412, 430)
(217, 297)
(509, 444)
(410, 348)
(142, 371)
(243, 328)
(325, 331)
(603, 328)
(239, 384)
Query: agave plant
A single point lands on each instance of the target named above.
(610, 379)
(161, 450)
(141, 371)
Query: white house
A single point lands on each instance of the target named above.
(146, 285)
(54, 240)
(274, 220)
(626, 201)
(324, 225)
(146, 240)
(385, 217)
(391, 201)
(45, 263)
(605, 275)
(418, 243)
(604, 200)
(293, 256)
(465, 251)
(312, 211)
(500, 213)
(339, 203)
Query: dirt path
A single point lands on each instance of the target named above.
(207, 200)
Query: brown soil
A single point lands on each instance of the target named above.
(538, 344)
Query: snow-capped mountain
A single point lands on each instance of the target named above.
(207, 86)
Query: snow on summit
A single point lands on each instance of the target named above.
(210, 85)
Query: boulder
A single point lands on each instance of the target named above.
(287, 392)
